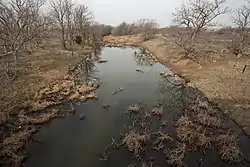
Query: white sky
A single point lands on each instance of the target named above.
(113, 12)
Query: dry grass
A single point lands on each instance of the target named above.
(175, 157)
(228, 148)
(205, 119)
(192, 134)
(12, 147)
(135, 142)
(60, 92)
(38, 120)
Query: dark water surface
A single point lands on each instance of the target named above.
(70, 142)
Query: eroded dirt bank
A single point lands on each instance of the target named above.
(219, 75)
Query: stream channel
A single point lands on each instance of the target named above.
(128, 77)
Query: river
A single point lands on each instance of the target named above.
(127, 78)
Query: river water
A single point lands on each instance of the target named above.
(71, 142)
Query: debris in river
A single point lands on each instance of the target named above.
(102, 61)
(106, 106)
(117, 91)
(82, 116)
(164, 123)
(134, 108)
(157, 111)
(139, 70)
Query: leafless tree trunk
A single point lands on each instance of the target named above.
(58, 11)
(82, 19)
(241, 19)
(69, 18)
(196, 16)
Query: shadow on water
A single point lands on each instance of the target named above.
(94, 141)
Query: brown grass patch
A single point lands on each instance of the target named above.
(41, 119)
(59, 93)
(135, 142)
(228, 148)
(192, 134)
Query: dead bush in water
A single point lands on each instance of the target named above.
(135, 142)
(157, 111)
(192, 134)
(161, 138)
(134, 108)
(206, 120)
(12, 147)
(228, 148)
(176, 156)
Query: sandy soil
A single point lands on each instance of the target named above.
(218, 74)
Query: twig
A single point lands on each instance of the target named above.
(244, 69)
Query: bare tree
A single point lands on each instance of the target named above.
(21, 25)
(58, 11)
(241, 19)
(196, 16)
(147, 28)
(120, 30)
(82, 19)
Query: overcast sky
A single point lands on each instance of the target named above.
(113, 12)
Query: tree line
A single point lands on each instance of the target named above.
(26, 24)
(194, 17)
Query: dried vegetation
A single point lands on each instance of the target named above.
(228, 148)
(135, 142)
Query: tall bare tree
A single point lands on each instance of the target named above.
(58, 11)
(82, 19)
(147, 28)
(241, 19)
(21, 25)
(196, 16)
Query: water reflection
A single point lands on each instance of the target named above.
(142, 58)
(85, 71)
(171, 95)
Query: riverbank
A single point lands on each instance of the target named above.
(219, 75)
(33, 91)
